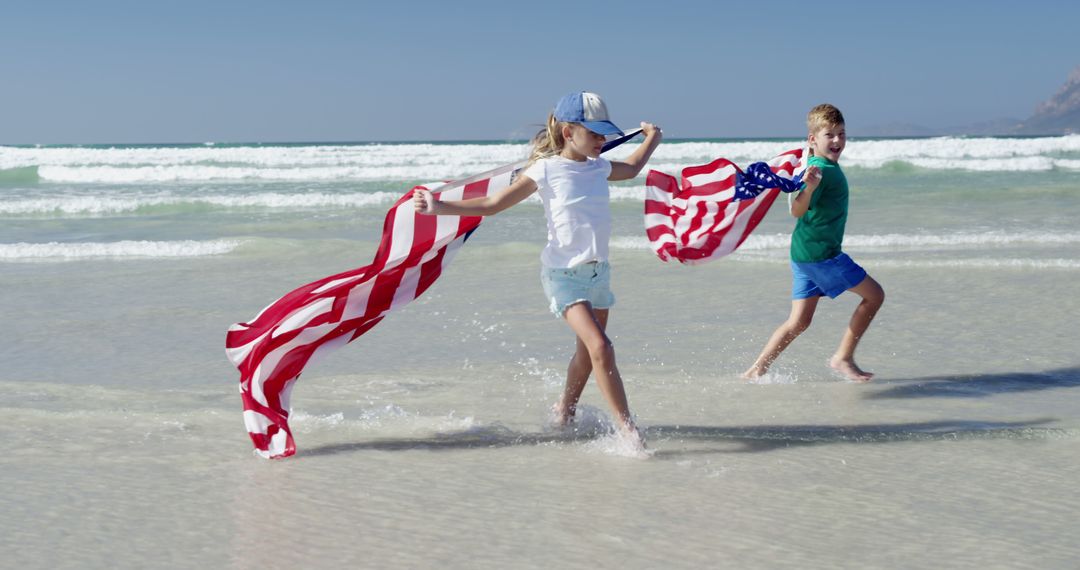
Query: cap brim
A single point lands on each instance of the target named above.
(602, 127)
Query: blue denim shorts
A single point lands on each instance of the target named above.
(830, 277)
(588, 282)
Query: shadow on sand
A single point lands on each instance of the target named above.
(979, 385)
(769, 438)
(720, 439)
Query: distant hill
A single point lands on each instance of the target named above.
(1059, 115)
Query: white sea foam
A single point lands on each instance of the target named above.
(113, 205)
(264, 156)
(143, 174)
(127, 165)
(55, 251)
(628, 193)
(944, 153)
(908, 241)
(1006, 263)
(898, 242)
(105, 205)
(287, 163)
(768, 247)
(313, 422)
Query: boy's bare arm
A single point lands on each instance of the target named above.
(801, 203)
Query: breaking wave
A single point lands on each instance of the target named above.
(165, 164)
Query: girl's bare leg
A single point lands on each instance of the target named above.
(577, 375)
(589, 326)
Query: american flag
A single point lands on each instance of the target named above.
(712, 209)
(273, 348)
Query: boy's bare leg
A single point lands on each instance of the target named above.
(577, 375)
(802, 313)
(843, 361)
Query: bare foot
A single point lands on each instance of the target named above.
(848, 369)
(633, 436)
(754, 372)
(560, 417)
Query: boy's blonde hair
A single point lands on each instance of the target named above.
(549, 141)
(823, 116)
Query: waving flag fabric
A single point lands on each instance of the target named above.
(712, 209)
(272, 349)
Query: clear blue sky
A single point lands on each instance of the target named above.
(197, 71)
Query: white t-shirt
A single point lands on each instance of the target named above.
(577, 204)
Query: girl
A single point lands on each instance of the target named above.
(566, 169)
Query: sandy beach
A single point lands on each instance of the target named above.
(126, 449)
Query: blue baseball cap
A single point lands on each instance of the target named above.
(589, 110)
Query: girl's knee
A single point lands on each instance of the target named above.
(582, 352)
(601, 351)
(581, 357)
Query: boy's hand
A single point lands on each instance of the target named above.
(649, 129)
(424, 202)
(812, 177)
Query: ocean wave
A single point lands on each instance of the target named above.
(145, 174)
(1008, 263)
(1017, 164)
(19, 175)
(628, 193)
(132, 165)
(898, 242)
(374, 155)
(66, 205)
(97, 205)
(55, 251)
(943, 153)
(916, 241)
(285, 163)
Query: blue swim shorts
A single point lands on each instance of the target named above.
(830, 277)
(588, 282)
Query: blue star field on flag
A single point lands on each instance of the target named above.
(758, 178)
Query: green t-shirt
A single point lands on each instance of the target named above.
(820, 231)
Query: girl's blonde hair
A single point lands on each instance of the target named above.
(549, 141)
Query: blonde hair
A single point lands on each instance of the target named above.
(549, 141)
(823, 116)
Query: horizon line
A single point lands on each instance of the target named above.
(502, 141)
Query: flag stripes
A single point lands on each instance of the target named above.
(273, 348)
(713, 208)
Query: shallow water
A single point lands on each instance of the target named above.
(425, 442)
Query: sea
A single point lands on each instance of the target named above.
(426, 443)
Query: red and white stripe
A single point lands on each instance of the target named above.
(695, 220)
(273, 348)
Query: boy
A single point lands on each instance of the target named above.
(818, 265)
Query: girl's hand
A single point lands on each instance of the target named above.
(649, 129)
(630, 167)
(812, 178)
(423, 201)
